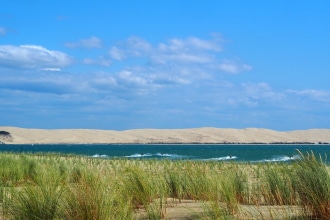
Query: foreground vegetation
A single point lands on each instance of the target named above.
(72, 187)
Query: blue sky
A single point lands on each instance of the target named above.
(165, 64)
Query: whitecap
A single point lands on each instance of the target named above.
(164, 155)
(139, 155)
(171, 156)
(280, 158)
(168, 155)
(100, 155)
(224, 158)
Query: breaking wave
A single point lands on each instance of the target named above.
(222, 158)
(139, 155)
(280, 158)
(100, 156)
(157, 155)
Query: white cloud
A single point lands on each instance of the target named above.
(188, 62)
(190, 44)
(229, 67)
(103, 81)
(3, 31)
(181, 58)
(319, 95)
(176, 61)
(117, 53)
(262, 91)
(32, 57)
(191, 51)
(138, 46)
(92, 42)
(51, 69)
(130, 78)
(233, 66)
(133, 47)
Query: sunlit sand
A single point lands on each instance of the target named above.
(196, 135)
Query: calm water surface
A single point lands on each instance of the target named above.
(239, 153)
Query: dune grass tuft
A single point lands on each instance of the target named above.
(72, 187)
(38, 200)
(312, 183)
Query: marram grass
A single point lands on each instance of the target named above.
(73, 187)
(312, 183)
(37, 200)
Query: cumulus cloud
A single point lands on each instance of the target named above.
(233, 67)
(117, 53)
(92, 42)
(130, 78)
(190, 44)
(32, 57)
(131, 48)
(191, 51)
(145, 68)
(138, 46)
(190, 63)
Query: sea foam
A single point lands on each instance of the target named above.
(280, 158)
(222, 158)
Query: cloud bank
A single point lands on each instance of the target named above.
(133, 83)
(32, 57)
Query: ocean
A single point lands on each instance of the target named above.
(205, 152)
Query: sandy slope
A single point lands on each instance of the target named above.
(196, 135)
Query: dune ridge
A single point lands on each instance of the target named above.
(193, 135)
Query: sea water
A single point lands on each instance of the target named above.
(206, 152)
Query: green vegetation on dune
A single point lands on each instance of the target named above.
(71, 187)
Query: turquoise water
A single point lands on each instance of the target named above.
(239, 153)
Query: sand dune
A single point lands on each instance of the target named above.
(196, 135)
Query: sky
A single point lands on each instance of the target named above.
(165, 64)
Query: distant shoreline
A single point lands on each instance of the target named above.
(323, 144)
(14, 135)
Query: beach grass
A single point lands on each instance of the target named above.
(38, 200)
(312, 183)
(51, 186)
